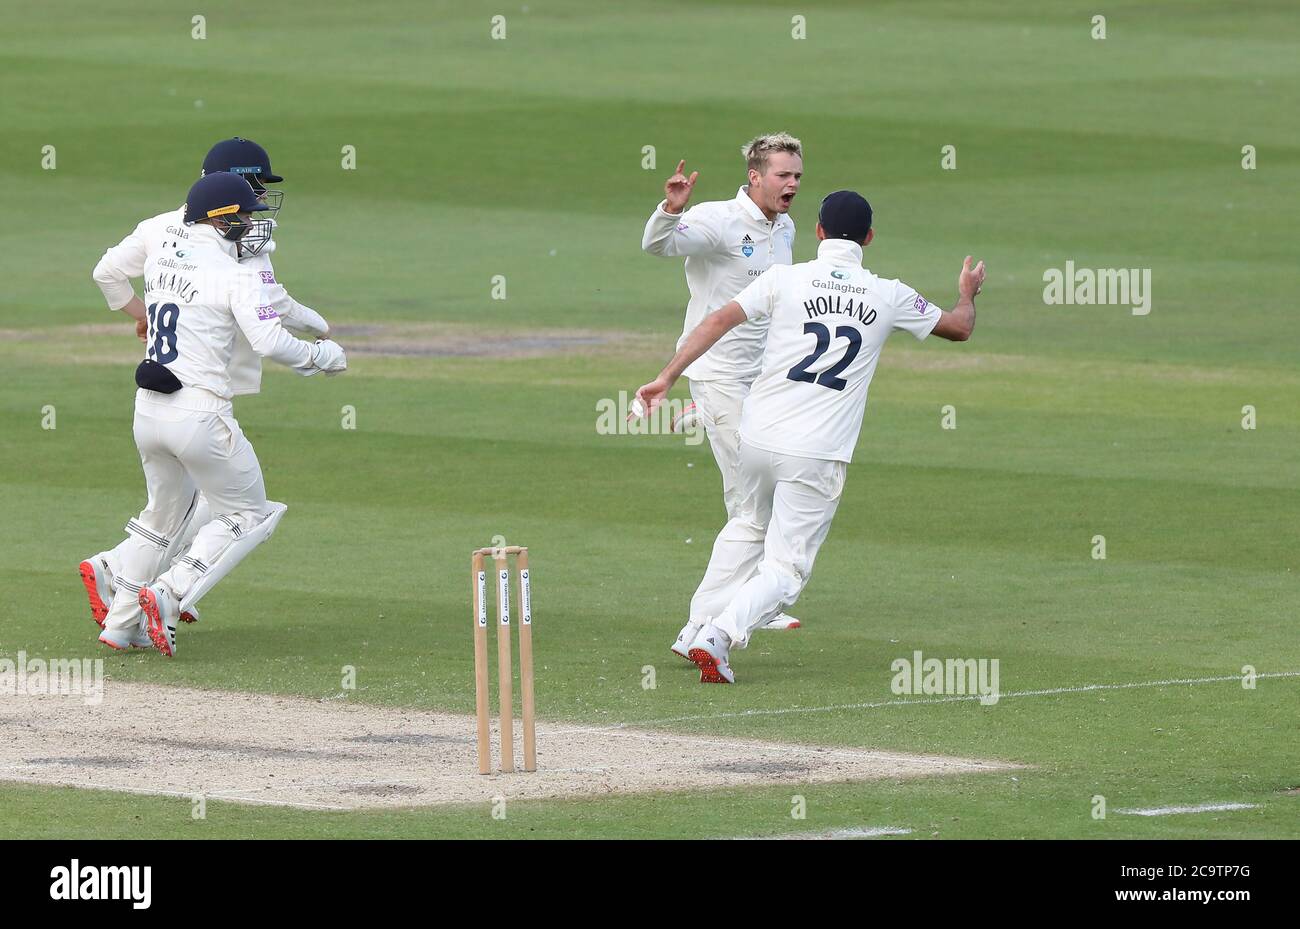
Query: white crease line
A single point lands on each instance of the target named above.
(860, 832)
(1200, 808)
(776, 748)
(1083, 688)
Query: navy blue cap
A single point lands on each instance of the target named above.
(240, 156)
(220, 194)
(845, 214)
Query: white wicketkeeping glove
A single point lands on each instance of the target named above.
(328, 356)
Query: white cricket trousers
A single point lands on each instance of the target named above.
(763, 558)
(718, 403)
(187, 440)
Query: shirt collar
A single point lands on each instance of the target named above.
(840, 252)
(750, 206)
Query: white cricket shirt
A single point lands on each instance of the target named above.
(728, 244)
(827, 320)
(126, 260)
(199, 301)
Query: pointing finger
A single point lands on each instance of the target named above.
(681, 166)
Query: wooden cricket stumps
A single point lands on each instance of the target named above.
(505, 671)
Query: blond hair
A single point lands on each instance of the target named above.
(758, 151)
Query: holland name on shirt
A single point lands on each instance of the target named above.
(825, 304)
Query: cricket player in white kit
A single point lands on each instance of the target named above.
(827, 320)
(200, 298)
(728, 244)
(126, 260)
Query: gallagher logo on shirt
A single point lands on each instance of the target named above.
(921, 304)
(747, 246)
(268, 277)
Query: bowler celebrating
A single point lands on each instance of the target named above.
(727, 245)
(827, 320)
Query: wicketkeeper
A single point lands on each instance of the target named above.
(199, 299)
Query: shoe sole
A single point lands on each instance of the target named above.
(708, 665)
(686, 655)
(156, 628)
(116, 648)
(97, 609)
(780, 627)
(188, 617)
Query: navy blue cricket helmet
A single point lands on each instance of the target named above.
(241, 156)
(224, 197)
(251, 162)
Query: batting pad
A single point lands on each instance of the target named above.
(236, 552)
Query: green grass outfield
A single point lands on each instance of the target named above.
(523, 157)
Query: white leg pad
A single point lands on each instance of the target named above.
(233, 554)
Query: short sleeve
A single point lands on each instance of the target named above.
(913, 313)
(758, 300)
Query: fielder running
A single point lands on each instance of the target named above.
(127, 260)
(727, 245)
(827, 322)
(200, 297)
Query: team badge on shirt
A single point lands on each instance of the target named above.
(747, 246)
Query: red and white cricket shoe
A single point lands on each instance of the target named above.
(160, 616)
(99, 590)
(684, 639)
(710, 652)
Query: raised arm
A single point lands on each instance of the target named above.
(957, 324)
(670, 232)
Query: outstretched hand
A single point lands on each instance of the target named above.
(677, 189)
(970, 280)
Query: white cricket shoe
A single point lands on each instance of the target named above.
(161, 613)
(710, 652)
(122, 639)
(684, 639)
(98, 581)
(782, 621)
